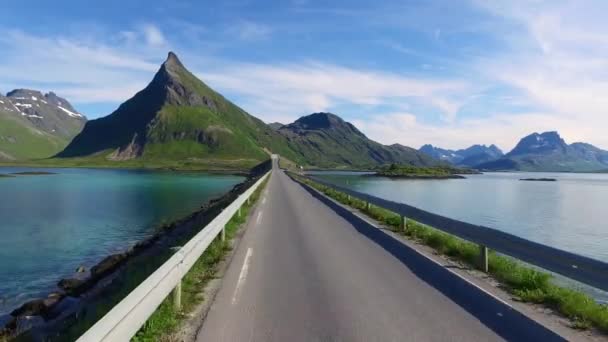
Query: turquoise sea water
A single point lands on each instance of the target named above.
(52, 224)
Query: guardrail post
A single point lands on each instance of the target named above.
(239, 212)
(224, 233)
(177, 296)
(403, 224)
(483, 258)
(367, 206)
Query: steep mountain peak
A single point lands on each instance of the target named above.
(176, 117)
(539, 143)
(173, 60)
(173, 65)
(24, 93)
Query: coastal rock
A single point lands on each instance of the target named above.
(108, 264)
(81, 269)
(34, 307)
(71, 285)
(38, 307)
(26, 323)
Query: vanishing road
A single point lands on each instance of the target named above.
(303, 273)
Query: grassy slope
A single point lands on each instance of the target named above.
(30, 143)
(527, 284)
(252, 133)
(341, 150)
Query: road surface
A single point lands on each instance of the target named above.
(303, 273)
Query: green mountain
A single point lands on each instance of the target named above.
(33, 125)
(325, 140)
(549, 152)
(177, 120)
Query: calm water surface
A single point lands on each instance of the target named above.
(51, 224)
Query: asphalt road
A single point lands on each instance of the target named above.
(303, 273)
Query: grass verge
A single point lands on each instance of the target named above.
(527, 284)
(167, 319)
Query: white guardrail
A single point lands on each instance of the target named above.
(129, 315)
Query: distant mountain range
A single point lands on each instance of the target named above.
(35, 125)
(178, 118)
(535, 152)
(468, 157)
(549, 152)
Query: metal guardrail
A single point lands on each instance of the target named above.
(129, 315)
(580, 268)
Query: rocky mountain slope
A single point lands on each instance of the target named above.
(177, 117)
(549, 152)
(325, 140)
(468, 157)
(35, 125)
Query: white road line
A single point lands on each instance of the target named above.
(264, 200)
(242, 276)
(257, 220)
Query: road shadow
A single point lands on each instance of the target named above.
(505, 321)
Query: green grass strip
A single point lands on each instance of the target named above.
(525, 283)
(166, 319)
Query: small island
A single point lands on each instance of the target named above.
(5, 175)
(415, 172)
(538, 179)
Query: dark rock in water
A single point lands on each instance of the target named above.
(71, 285)
(25, 323)
(33, 173)
(32, 308)
(64, 305)
(538, 179)
(108, 264)
(38, 307)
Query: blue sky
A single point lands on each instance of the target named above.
(452, 73)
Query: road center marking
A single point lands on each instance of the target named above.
(242, 276)
(264, 200)
(257, 220)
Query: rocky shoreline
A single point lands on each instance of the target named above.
(53, 317)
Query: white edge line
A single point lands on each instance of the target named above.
(242, 276)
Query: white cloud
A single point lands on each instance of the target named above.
(503, 129)
(296, 89)
(559, 62)
(83, 70)
(250, 31)
(154, 36)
